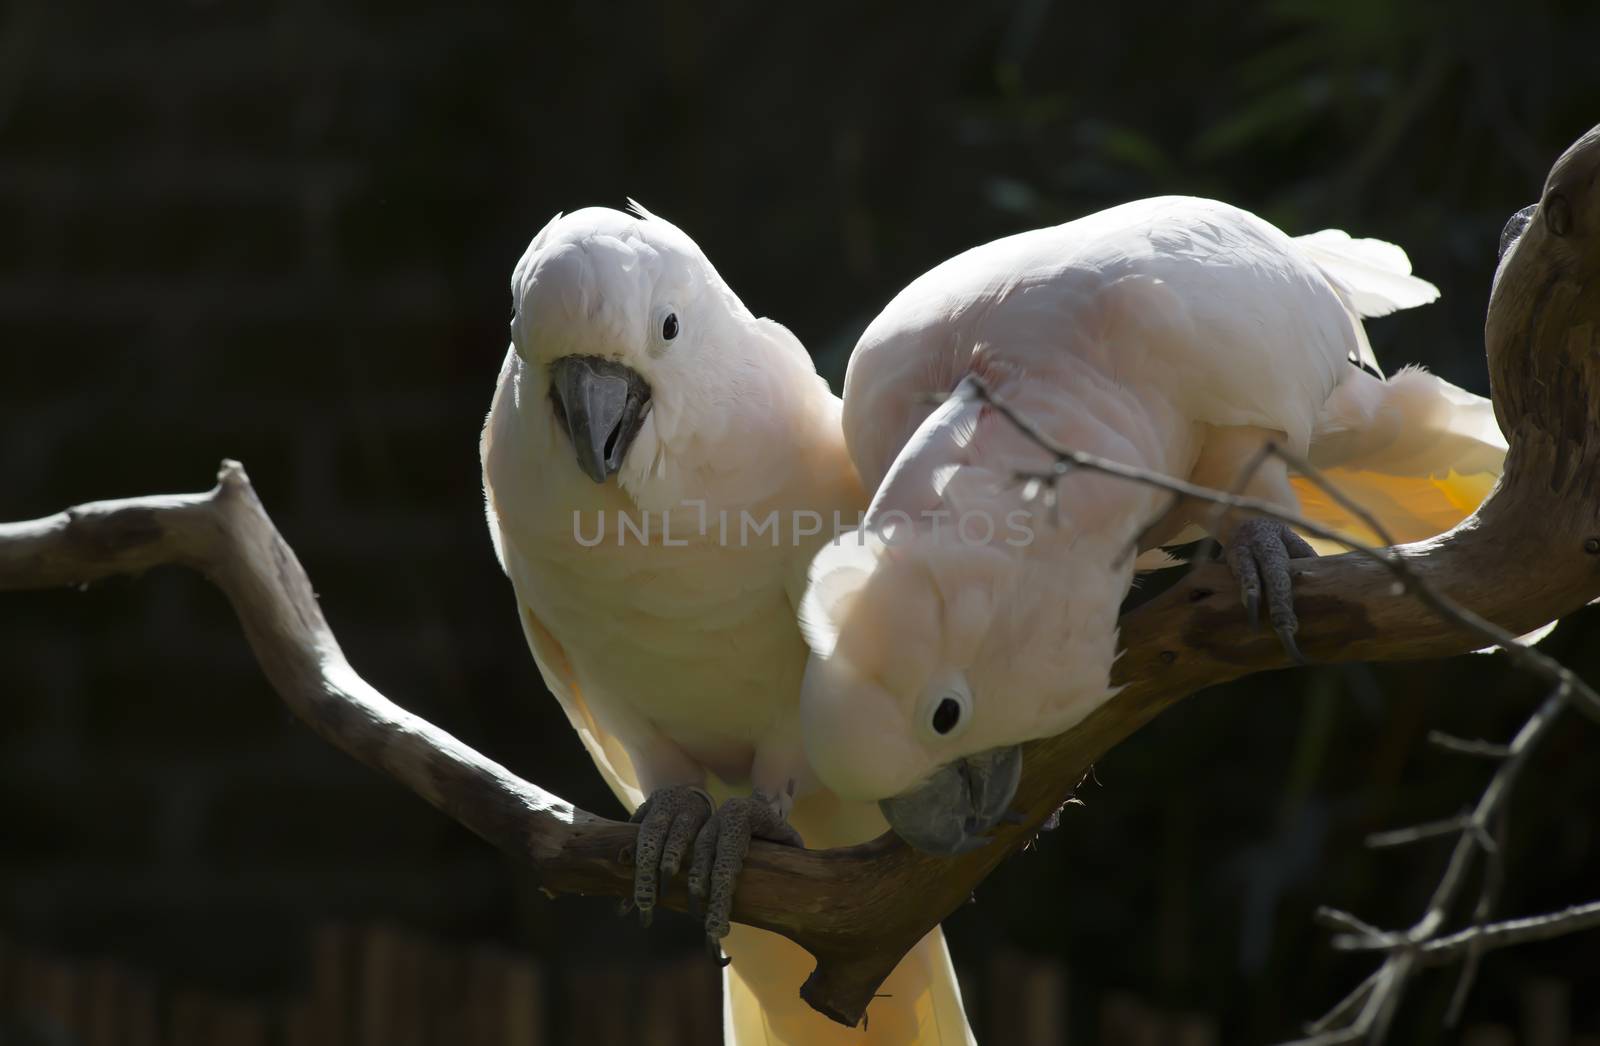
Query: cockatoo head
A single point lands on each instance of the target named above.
(625, 315)
(933, 659)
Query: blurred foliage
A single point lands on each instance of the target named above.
(823, 155)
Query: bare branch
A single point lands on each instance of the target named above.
(1336, 919)
(1340, 1017)
(1421, 945)
(1478, 939)
(1487, 937)
(1494, 874)
(1463, 746)
(1417, 833)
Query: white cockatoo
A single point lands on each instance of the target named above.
(659, 467)
(1178, 335)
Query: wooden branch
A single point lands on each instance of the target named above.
(1530, 554)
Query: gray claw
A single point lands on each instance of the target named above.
(1286, 637)
(1243, 565)
(1259, 556)
(667, 821)
(719, 852)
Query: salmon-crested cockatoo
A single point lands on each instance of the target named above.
(659, 466)
(973, 612)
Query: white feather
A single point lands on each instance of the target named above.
(1374, 276)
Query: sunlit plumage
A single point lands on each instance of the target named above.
(1174, 334)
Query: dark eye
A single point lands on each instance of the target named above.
(946, 716)
(669, 327)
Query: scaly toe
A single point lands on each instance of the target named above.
(1260, 556)
(719, 853)
(666, 820)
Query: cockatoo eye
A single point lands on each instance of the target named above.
(947, 716)
(947, 708)
(669, 327)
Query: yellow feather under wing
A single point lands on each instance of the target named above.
(1410, 508)
(1415, 451)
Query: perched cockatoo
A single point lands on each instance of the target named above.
(973, 612)
(659, 466)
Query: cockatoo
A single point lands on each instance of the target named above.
(659, 467)
(1173, 334)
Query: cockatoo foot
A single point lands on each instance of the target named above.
(719, 855)
(667, 821)
(1259, 556)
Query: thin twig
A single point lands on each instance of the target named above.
(1339, 497)
(1337, 919)
(1494, 874)
(1345, 1008)
(1512, 931)
(1488, 937)
(1419, 832)
(1463, 746)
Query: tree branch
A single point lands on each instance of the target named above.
(858, 910)
(1408, 952)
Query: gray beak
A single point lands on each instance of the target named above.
(952, 811)
(602, 404)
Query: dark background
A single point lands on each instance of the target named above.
(283, 232)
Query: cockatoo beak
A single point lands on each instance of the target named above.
(952, 812)
(602, 403)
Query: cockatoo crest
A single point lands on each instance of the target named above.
(837, 574)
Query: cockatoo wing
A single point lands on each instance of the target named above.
(1231, 319)
(1424, 452)
(609, 756)
(1372, 276)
